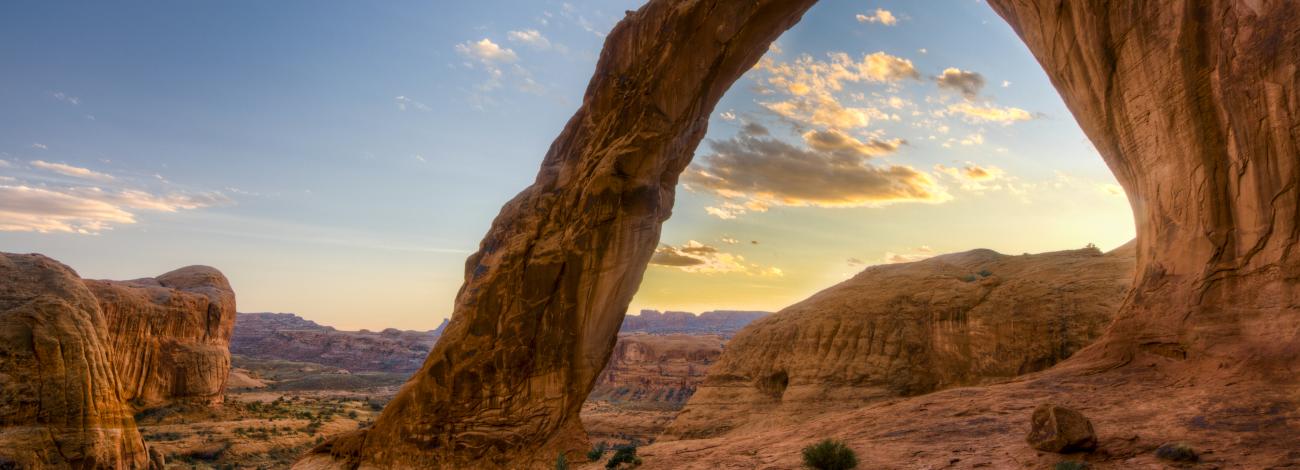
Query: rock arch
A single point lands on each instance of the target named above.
(1192, 103)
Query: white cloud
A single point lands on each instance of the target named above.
(727, 116)
(530, 37)
(87, 210)
(66, 98)
(40, 146)
(487, 51)
(990, 113)
(881, 16)
(973, 177)
(403, 103)
(73, 171)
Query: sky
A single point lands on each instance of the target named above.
(340, 160)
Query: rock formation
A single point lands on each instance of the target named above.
(60, 401)
(290, 337)
(906, 329)
(169, 336)
(1193, 104)
(717, 322)
(648, 379)
(545, 294)
(657, 371)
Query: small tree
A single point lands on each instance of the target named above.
(596, 452)
(829, 455)
(625, 454)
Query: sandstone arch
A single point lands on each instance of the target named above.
(1192, 103)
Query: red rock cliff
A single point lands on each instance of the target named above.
(169, 336)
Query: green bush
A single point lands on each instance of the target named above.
(624, 454)
(596, 452)
(829, 455)
(1177, 452)
(561, 463)
(1071, 465)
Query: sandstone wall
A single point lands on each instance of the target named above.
(169, 336)
(907, 329)
(60, 401)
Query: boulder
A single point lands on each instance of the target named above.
(1061, 430)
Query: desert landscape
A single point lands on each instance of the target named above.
(1176, 346)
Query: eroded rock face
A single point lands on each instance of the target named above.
(543, 298)
(648, 380)
(1059, 429)
(1193, 105)
(907, 329)
(169, 336)
(60, 405)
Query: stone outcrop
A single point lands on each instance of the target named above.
(169, 336)
(907, 329)
(544, 296)
(715, 322)
(290, 337)
(1194, 105)
(60, 401)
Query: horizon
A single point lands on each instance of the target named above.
(344, 172)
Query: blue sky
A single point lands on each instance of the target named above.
(340, 160)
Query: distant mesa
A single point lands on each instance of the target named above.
(290, 337)
(719, 322)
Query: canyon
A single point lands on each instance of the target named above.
(289, 337)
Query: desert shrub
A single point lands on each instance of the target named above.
(829, 455)
(561, 463)
(623, 454)
(1177, 452)
(352, 414)
(1071, 465)
(596, 452)
(969, 278)
(985, 273)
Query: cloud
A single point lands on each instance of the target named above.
(855, 262)
(1111, 189)
(825, 111)
(974, 177)
(487, 52)
(810, 76)
(73, 171)
(730, 240)
(87, 210)
(403, 103)
(881, 16)
(727, 116)
(834, 141)
(754, 128)
(752, 173)
(530, 37)
(66, 98)
(895, 258)
(40, 146)
(990, 113)
(965, 82)
(696, 257)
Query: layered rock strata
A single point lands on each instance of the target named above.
(169, 336)
(907, 329)
(61, 404)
